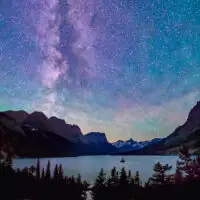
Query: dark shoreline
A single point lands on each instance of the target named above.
(95, 155)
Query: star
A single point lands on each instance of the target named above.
(126, 68)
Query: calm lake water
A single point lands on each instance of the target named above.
(89, 166)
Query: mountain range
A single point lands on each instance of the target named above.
(187, 134)
(33, 135)
(36, 135)
(131, 144)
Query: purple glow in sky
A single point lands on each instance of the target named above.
(126, 68)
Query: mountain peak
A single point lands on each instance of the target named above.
(19, 115)
(131, 140)
(38, 114)
(96, 137)
(134, 145)
(58, 120)
(60, 127)
(96, 134)
(37, 120)
(191, 125)
(194, 114)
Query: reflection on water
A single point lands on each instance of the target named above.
(89, 166)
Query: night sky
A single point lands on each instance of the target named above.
(129, 68)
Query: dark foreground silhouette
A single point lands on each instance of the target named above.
(35, 183)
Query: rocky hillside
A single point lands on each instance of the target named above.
(96, 138)
(33, 135)
(26, 141)
(93, 143)
(53, 124)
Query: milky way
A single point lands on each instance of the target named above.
(129, 68)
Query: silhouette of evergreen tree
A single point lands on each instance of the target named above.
(188, 166)
(55, 174)
(137, 180)
(99, 188)
(8, 159)
(113, 179)
(112, 184)
(60, 172)
(38, 169)
(129, 176)
(32, 170)
(24, 184)
(78, 179)
(123, 178)
(43, 174)
(123, 188)
(147, 184)
(197, 167)
(160, 176)
(28, 183)
(178, 176)
(48, 171)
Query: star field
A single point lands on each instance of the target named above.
(126, 68)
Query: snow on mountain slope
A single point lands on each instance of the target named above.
(133, 145)
(119, 143)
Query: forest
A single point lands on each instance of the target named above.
(36, 183)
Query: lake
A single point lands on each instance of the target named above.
(89, 166)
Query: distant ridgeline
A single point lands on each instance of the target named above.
(35, 135)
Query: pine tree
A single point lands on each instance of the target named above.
(197, 167)
(43, 174)
(32, 170)
(99, 188)
(80, 187)
(186, 164)
(60, 172)
(1, 144)
(160, 176)
(112, 184)
(147, 184)
(72, 180)
(101, 179)
(184, 154)
(129, 176)
(25, 170)
(38, 169)
(137, 180)
(124, 189)
(123, 179)
(55, 174)
(48, 171)
(113, 179)
(78, 180)
(178, 176)
(8, 160)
